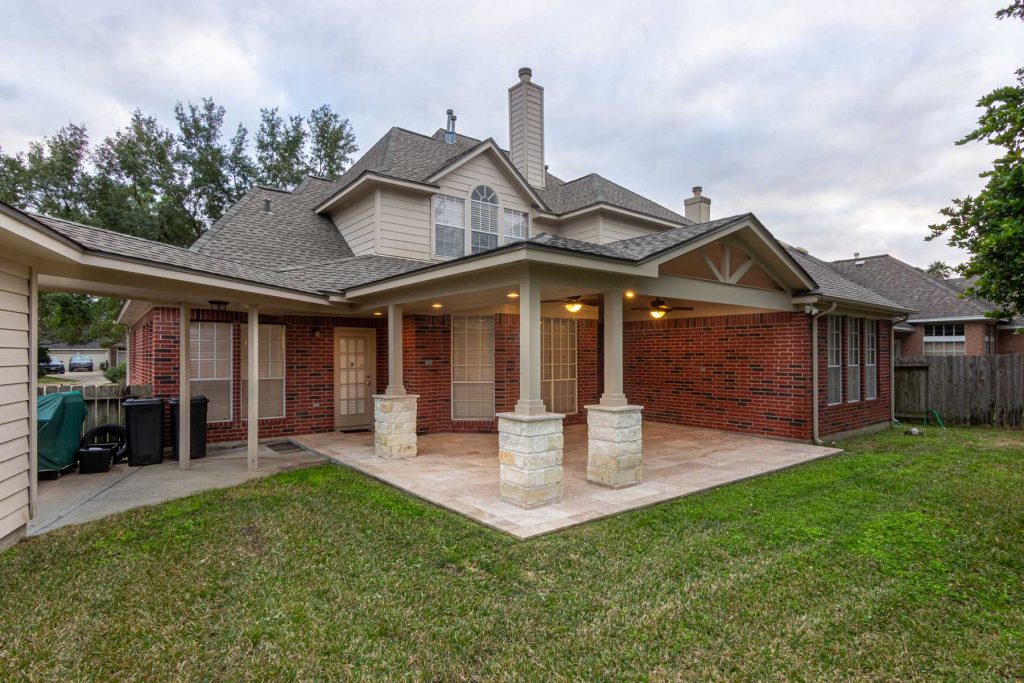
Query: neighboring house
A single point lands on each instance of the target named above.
(445, 284)
(63, 352)
(943, 321)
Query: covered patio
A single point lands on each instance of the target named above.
(460, 473)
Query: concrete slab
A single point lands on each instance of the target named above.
(459, 472)
(77, 498)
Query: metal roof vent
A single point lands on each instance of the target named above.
(449, 135)
(266, 206)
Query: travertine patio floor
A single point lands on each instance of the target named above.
(460, 472)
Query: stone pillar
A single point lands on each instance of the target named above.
(530, 452)
(614, 428)
(394, 426)
(394, 412)
(614, 445)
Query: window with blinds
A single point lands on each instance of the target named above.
(835, 360)
(945, 340)
(853, 359)
(517, 225)
(483, 219)
(271, 371)
(472, 367)
(558, 365)
(210, 367)
(449, 226)
(870, 359)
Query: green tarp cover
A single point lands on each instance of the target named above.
(60, 424)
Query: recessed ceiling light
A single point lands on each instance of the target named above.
(513, 295)
(435, 305)
(378, 312)
(630, 294)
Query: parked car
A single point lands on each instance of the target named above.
(78, 362)
(52, 367)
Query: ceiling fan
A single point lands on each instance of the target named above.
(573, 303)
(659, 308)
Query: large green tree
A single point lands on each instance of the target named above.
(163, 184)
(991, 225)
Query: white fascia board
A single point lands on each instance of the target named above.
(1010, 326)
(602, 206)
(370, 179)
(490, 146)
(950, 318)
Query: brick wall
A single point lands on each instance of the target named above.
(745, 373)
(140, 351)
(845, 416)
(913, 343)
(1008, 341)
(309, 369)
(974, 337)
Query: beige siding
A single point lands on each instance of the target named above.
(482, 170)
(614, 228)
(357, 224)
(404, 224)
(526, 130)
(586, 228)
(15, 397)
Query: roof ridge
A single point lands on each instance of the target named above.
(863, 258)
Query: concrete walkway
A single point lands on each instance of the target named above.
(77, 498)
(460, 472)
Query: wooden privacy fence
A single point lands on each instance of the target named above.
(963, 390)
(103, 400)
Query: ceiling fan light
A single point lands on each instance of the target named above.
(573, 306)
(657, 313)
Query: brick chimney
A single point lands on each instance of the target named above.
(698, 207)
(526, 127)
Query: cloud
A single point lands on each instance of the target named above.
(833, 123)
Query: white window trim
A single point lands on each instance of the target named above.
(243, 381)
(231, 364)
(433, 228)
(467, 223)
(492, 382)
(575, 366)
(854, 366)
(833, 334)
(870, 353)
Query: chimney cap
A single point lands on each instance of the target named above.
(697, 189)
(525, 74)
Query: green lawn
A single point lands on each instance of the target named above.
(56, 379)
(901, 559)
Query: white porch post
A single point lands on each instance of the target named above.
(614, 429)
(394, 411)
(253, 393)
(184, 386)
(530, 439)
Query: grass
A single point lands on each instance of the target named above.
(901, 559)
(56, 379)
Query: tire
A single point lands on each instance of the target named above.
(119, 433)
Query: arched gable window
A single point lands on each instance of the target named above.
(483, 219)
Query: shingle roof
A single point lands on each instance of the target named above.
(290, 234)
(926, 295)
(832, 283)
(118, 244)
(562, 197)
(336, 276)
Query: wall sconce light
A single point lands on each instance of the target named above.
(218, 305)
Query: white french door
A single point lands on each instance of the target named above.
(354, 378)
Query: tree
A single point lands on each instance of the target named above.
(332, 143)
(79, 318)
(939, 269)
(280, 148)
(991, 225)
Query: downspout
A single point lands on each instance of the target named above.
(892, 365)
(814, 367)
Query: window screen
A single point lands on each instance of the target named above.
(517, 225)
(271, 371)
(210, 367)
(483, 219)
(870, 359)
(835, 360)
(944, 340)
(472, 367)
(853, 359)
(558, 365)
(449, 226)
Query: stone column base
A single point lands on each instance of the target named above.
(614, 445)
(394, 426)
(530, 452)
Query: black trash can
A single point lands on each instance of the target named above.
(144, 422)
(197, 427)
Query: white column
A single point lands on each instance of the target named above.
(253, 397)
(530, 402)
(33, 412)
(394, 411)
(614, 428)
(184, 386)
(396, 386)
(530, 440)
(613, 395)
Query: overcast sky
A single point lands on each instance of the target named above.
(835, 126)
